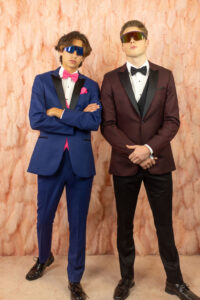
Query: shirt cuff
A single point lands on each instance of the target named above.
(150, 149)
(62, 114)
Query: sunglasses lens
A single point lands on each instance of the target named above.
(71, 49)
(136, 35)
(125, 38)
(79, 51)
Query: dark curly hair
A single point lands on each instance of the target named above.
(67, 39)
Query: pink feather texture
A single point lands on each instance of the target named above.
(28, 35)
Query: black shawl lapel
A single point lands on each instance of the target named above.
(59, 89)
(125, 80)
(153, 80)
(76, 92)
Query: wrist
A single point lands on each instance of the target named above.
(148, 150)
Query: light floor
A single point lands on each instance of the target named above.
(99, 281)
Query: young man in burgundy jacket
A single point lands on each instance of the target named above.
(140, 118)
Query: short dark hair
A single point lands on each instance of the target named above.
(134, 23)
(67, 39)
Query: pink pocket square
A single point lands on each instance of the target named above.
(83, 91)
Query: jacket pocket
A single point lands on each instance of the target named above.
(43, 137)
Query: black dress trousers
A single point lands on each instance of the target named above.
(159, 191)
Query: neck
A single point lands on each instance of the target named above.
(137, 61)
(70, 70)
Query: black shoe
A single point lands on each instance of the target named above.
(38, 269)
(122, 289)
(77, 292)
(180, 290)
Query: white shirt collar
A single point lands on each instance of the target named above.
(129, 65)
(62, 70)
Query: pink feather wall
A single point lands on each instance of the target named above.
(29, 32)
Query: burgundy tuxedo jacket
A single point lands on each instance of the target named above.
(123, 125)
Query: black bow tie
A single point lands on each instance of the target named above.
(142, 70)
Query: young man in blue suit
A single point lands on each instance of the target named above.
(65, 109)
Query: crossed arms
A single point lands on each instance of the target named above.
(49, 120)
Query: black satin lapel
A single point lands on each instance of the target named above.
(125, 80)
(59, 90)
(153, 80)
(76, 92)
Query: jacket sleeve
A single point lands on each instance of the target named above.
(112, 133)
(171, 120)
(85, 120)
(37, 113)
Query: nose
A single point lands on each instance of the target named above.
(132, 40)
(74, 54)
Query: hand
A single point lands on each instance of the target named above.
(139, 154)
(91, 107)
(148, 163)
(54, 112)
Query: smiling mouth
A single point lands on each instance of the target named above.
(73, 61)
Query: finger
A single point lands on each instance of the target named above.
(130, 146)
(130, 156)
(132, 161)
(93, 108)
(90, 106)
(94, 105)
(137, 160)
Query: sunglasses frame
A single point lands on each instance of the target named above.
(71, 49)
(132, 32)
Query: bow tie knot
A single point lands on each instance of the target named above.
(142, 70)
(73, 76)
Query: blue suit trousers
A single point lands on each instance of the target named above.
(78, 192)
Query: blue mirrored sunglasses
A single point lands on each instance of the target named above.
(71, 49)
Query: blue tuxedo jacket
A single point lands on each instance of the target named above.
(75, 125)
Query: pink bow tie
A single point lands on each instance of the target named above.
(73, 76)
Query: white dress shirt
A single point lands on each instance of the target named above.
(68, 86)
(138, 82)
